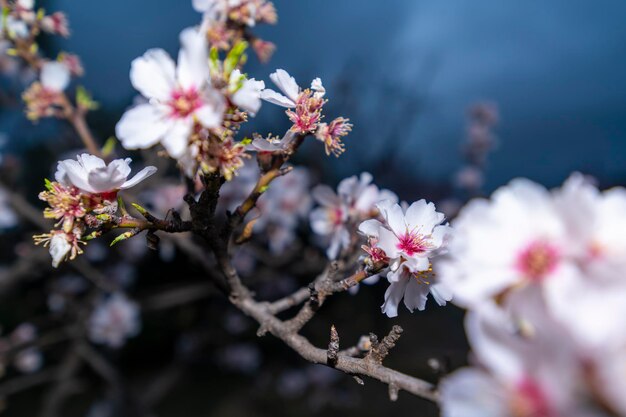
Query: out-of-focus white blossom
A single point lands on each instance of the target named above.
(282, 207)
(92, 175)
(178, 97)
(55, 76)
(59, 248)
(8, 217)
(354, 201)
(246, 93)
(114, 320)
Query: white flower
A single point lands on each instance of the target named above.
(416, 234)
(515, 239)
(114, 320)
(528, 367)
(59, 248)
(55, 76)
(92, 175)
(355, 201)
(248, 95)
(290, 88)
(409, 239)
(178, 97)
(8, 218)
(282, 206)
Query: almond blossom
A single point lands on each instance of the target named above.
(406, 240)
(525, 367)
(43, 98)
(179, 97)
(354, 201)
(92, 175)
(114, 320)
(515, 239)
(245, 93)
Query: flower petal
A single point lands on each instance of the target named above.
(154, 74)
(193, 67)
(141, 127)
(286, 83)
(140, 176)
(415, 295)
(393, 296)
(277, 98)
(55, 76)
(176, 140)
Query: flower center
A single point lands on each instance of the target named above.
(411, 243)
(538, 260)
(184, 102)
(530, 401)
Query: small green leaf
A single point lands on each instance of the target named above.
(48, 184)
(109, 146)
(246, 141)
(234, 57)
(140, 209)
(264, 189)
(123, 236)
(84, 99)
(214, 62)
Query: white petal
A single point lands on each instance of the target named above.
(325, 196)
(76, 175)
(388, 242)
(140, 176)
(395, 218)
(55, 76)
(423, 215)
(441, 293)
(471, 392)
(176, 140)
(153, 74)
(211, 114)
(59, 248)
(316, 85)
(286, 83)
(248, 97)
(393, 296)
(193, 60)
(203, 5)
(415, 295)
(141, 127)
(277, 98)
(370, 227)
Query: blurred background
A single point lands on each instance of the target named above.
(405, 72)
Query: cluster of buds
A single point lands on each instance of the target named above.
(228, 22)
(22, 21)
(304, 109)
(82, 197)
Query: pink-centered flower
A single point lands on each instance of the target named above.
(179, 97)
(409, 239)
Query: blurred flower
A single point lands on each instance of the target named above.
(179, 97)
(114, 320)
(8, 217)
(355, 201)
(55, 76)
(56, 23)
(282, 206)
(331, 133)
(246, 93)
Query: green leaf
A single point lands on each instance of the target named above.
(214, 62)
(234, 57)
(48, 184)
(109, 146)
(123, 236)
(84, 99)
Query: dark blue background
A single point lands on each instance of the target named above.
(404, 71)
